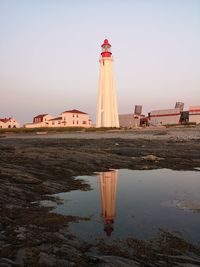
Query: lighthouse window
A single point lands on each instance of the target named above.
(106, 49)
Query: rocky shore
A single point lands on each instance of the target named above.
(33, 166)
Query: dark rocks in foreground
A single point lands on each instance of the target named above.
(32, 236)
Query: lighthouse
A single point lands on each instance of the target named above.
(107, 111)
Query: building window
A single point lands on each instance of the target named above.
(73, 115)
(77, 122)
(84, 122)
(73, 122)
(77, 115)
(53, 123)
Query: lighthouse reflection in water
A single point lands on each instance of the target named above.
(108, 191)
(133, 203)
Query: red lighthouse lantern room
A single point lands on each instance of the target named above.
(106, 51)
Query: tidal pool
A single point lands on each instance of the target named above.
(129, 203)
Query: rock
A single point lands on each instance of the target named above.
(113, 261)
(152, 158)
(49, 260)
(21, 256)
(60, 236)
(189, 204)
(5, 262)
(21, 233)
(69, 252)
(2, 236)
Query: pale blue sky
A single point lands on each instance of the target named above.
(49, 53)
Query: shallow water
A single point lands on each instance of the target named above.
(129, 203)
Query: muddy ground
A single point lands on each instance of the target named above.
(33, 166)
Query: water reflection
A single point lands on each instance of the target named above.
(127, 203)
(108, 191)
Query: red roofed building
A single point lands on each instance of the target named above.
(76, 118)
(74, 111)
(9, 123)
(41, 120)
(68, 118)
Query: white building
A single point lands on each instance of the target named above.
(129, 121)
(194, 114)
(56, 122)
(164, 116)
(76, 117)
(9, 123)
(69, 118)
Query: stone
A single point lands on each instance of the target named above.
(114, 261)
(49, 260)
(151, 158)
(7, 261)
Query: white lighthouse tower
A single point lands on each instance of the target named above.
(107, 111)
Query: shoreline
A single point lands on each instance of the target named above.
(154, 133)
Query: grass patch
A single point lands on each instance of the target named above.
(54, 129)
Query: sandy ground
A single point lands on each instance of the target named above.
(32, 166)
(157, 133)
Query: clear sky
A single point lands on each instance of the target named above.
(49, 51)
